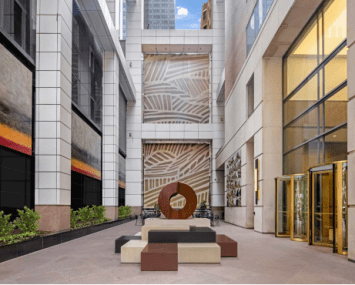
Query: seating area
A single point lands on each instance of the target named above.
(162, 244)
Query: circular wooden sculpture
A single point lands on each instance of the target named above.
(172, 190)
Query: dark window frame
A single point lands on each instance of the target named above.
(321, 99)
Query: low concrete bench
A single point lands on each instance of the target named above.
(229, 247)
(199, 253)
(131, 251)
(122, 241)
(159, 257)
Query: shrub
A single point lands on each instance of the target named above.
(73, 218)
(28, 220)
(124, 211)
(85, 214)
(11, 239)
(5, 226)
(99, 213)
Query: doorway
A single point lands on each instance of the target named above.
(313, 207)
(328, 211)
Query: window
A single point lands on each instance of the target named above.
(204, 15)
(250, 94)
(257, 19)
(18, 21)
(86, 70)
(205, 27)
(315, 92)
(123, 123)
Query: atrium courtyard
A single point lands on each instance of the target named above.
(177, 141)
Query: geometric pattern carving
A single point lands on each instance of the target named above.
(168, 163)
(234, 180)
(176, 89)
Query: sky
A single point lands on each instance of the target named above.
(188, 14)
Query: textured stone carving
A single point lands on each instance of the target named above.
(233, 182)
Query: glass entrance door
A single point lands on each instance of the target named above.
(283, 207)
(299, 207)
(323, 207)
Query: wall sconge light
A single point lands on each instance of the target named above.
(130, 64)
(256, 175)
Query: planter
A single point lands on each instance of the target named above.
(37, 243)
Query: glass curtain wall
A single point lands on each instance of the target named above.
(315, 92)
(87, 72)
(260, 11)
(18, 20)
(122, 149)
(17, 87)
(87, 77)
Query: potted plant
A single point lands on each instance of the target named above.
(156, 209)
(203, 206)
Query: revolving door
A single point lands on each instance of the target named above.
(329, 211)
(292, 207)
(313, 207)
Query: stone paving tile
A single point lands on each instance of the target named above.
(261, 259)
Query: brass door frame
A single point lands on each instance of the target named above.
(339, 206)
(312, 210)
(283, 178)
(293, 208)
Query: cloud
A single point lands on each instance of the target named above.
(199, 20)
(181, 12)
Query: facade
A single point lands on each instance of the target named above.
(206, 15)
(255, 117)
(159, 15)
(63, 127)
(287, 87)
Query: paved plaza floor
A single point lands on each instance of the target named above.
(261, 259)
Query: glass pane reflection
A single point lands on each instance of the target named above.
(323, 208)
(283, 206)
(300, 214)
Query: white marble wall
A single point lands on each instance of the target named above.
(53, 102)
(110, 132)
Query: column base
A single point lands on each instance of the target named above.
(136, 211)
(54, 218)
(218, 211)
(112, 212)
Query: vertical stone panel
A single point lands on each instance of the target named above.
(110, 134)
(53, 129)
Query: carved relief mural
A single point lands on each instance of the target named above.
(234, 180)
(176, 89)
(168, 163)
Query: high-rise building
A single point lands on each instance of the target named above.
(206, 17)
(159, 15)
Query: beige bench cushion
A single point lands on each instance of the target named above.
(199, 253)
(131, 251)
